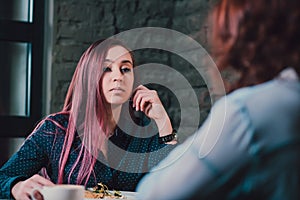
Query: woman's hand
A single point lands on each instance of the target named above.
(148, 102)
(23, 189)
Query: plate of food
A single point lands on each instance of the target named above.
(101, 191)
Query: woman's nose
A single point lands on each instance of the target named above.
(117, 75)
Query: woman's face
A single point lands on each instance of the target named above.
(118, 77)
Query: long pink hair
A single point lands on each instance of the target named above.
(88, 113)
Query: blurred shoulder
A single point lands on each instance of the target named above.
(285, 87)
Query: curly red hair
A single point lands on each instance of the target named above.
(256, 38)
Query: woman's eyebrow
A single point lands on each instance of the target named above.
(126, 61)
(123, 61)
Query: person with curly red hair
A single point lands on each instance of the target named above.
(249, 147)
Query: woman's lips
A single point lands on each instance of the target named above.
(117, 90)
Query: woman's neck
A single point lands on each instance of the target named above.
(114, 116)
(112, 121)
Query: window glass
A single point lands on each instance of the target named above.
(19, 10)
(15, 62)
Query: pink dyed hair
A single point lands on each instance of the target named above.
(88, 113)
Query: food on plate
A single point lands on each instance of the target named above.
(101, 191)
(93, 195)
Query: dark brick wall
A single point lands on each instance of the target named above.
(77, 23)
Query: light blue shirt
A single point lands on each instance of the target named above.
(242, 125)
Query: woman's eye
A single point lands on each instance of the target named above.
(125, 70)
(106, 69)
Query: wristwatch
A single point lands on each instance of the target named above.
(168, 138)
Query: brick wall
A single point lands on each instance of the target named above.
(77, 23)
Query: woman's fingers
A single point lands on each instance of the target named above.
(37, 195)
(143, 96)
(147, 109)
(148, 102)
(38, 181)
(42, 181)
(145, 101)
(24, 198)
(24, 189)
(137, 96)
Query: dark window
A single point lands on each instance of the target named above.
(21, 65)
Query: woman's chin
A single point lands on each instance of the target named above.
(117, 99)
(117, 102)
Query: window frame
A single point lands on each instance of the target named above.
(33, 33)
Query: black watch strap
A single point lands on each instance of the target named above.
(168, 138)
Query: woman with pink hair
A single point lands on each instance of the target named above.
(94, 138)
